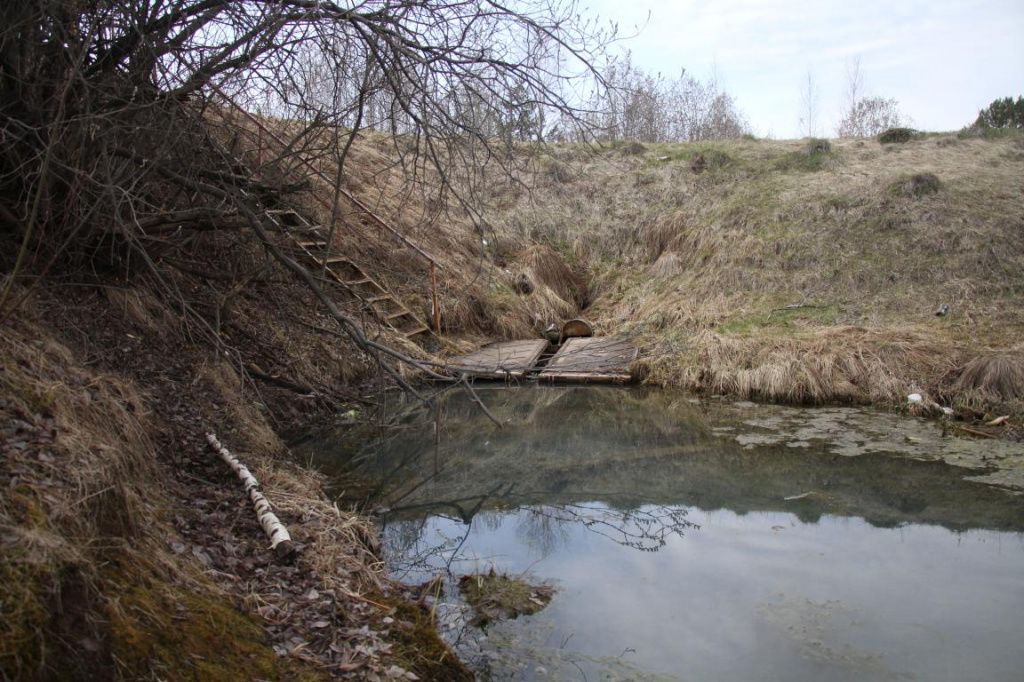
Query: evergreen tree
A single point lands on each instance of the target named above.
(1002, 113)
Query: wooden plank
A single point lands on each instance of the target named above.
(592, 359)
(500, 360)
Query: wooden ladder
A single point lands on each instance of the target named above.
(309, 243)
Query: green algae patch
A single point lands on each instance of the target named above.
(496, 597)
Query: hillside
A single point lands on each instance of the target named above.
(790, 275)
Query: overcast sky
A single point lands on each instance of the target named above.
(942, 59)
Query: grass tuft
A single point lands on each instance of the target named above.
(996, 378)
(916, 186)
(497, 596)
(897, 135)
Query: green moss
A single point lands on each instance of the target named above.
(416, 644)
(163, 631)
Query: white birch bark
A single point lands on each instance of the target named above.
(272, 525)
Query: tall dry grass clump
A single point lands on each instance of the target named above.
(992, 380)
(835, 365)
(658, 235)
(669, 264)
(543, 265)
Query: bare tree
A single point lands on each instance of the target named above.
(809, 99)
(854, 83)
(866, 116)
(639, 106)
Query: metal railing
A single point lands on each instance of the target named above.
(330, 205)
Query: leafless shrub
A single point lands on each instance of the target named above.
(867, 116)
(639, 106)
(871, 116)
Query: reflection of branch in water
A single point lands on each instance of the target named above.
(542, 532)
(646, 529)
(409, 552)
(544, 528)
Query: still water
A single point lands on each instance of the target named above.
(700, 541)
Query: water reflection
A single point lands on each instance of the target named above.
(633, 447)
(687, 542)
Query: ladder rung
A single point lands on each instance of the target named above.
(319, 243)
(397, 315)
(339, 259)
(377, 299)
(418, 330)
(353, 282)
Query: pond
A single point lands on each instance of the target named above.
(700, 540)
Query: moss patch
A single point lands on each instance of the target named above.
(494, 596)
(164, 631)
(416, 644)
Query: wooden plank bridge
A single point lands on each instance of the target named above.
(581, 359)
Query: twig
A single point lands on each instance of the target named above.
(476, 398)
(794, 306)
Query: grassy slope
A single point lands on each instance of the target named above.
(702, 266)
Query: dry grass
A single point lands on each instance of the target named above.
(669, 264)
(754, 273)
(833, 365)
(76, 473)
(999, 377)
(773, 252)
(988, 383)
(544, 266)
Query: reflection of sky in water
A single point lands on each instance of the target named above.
(764, 596)
(834, 560)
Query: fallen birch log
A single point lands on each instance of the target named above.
(280, 540)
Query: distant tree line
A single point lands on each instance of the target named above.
(632, 104)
